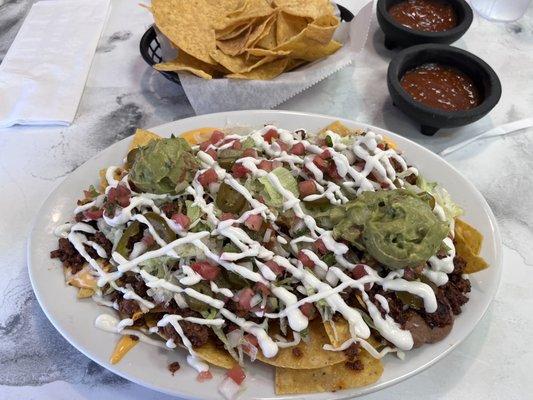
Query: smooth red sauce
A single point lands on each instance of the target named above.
(425, 15)
(442, 87)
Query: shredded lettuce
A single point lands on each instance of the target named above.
(157, 266)
(270, 193)
(442, 198)
(223, 338)
(248, 143)
(193, 211)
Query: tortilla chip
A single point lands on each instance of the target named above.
(338, 331)
(197, 136)
(305, 8)
(306, 355)
(85, 293)
(185, 62)
(471, 235)
(232, 31)
(125, 344)
(268, 40)
(288, 26)
(239, 64)
(338, 127)
(236, 45)
(259, 30)
(392, 144)
(186, 23)
(82, 279)
(308, 49)
(328, 379)
(267, 53)
(141, 138)
(251, 9)
(294, 63)
(215, 355)
(468, 243)
(268, 28)
(265, 71)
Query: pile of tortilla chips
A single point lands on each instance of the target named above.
(245, 39)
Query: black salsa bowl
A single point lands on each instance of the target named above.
(398, 35)
(432, 119)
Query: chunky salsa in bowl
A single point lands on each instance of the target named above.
(318, 253)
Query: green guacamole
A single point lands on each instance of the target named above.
(395, 227)
(163, 166)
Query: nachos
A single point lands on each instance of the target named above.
(316, 253)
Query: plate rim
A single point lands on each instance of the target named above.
(345, 394)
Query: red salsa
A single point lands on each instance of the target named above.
(425, 15)
(440, 86)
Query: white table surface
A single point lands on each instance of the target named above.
(123, 93)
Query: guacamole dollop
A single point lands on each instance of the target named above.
(163, 166)
(395, 227)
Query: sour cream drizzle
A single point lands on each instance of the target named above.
(378, 164)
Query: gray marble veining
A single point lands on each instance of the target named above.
(123, 93)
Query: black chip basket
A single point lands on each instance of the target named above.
(150, 47)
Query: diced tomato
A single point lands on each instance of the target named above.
(239, 170)
(251, 339)
(270, 135)
(236, 374)
(275, 267)
(237, 145)
(243, 298)
(266, 165)
(277, 164)
(298, 149)
(305, 259)
(205, 145)
(307, 188)
(204, 376)
(358, 272)
(119, 195)
(319, 162)
(216, 136)
(225, 216)
(320, 246)
(250, 153)
(208, 177)
(332, 171)
(359, 165)
(326, 154)
(409, 274)
(148, 239)
(182, 220)
(282, 145)
(206, 270)
(93, 213)
(307, 309)
(261, 287)
(254, 222)
(213, 153)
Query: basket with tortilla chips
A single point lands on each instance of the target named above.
(315, 253)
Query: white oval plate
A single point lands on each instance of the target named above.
(147, 365)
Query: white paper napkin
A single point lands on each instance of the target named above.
(216, 95)
(44, 71)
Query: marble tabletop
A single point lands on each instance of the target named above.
(123, 93)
